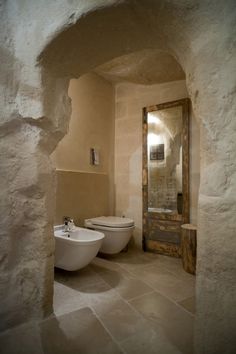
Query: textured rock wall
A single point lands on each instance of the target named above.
(34, 116)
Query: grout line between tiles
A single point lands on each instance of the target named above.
(157, 291)
(108, 331)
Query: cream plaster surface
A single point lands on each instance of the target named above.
(81, 196)
(46, 43)
(129, 100)
(85, 190)
(91, 126)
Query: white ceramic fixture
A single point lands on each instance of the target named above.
(117, 231)
(76, 249)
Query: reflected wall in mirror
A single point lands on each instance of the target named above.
(165, 175)
(165, 160)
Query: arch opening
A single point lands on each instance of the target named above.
(85, 42)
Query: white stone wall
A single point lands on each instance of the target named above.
(44, 44)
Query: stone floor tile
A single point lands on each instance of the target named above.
(166, 283)
(150, 341)
(102, 264)
(121, 320)
(77, 279)
(24, 339)
(142, 301)
(128, 287)
(149, 273)
(173, 288)
(66, 299)
(189, 304)
(76, 332)
(176, 323)
(115, 272)
(133, 259)
(100, 297)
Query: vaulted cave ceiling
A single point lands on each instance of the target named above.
(145, 67)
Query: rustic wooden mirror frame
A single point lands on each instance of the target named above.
(163, 223)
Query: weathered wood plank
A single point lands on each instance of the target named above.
(165, 248)
(189, 247)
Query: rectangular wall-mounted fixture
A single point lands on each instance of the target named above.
(157, 152)
(94, 156)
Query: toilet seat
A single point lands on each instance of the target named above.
(114, 222)
(117, 231)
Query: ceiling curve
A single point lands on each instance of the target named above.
(144, 67)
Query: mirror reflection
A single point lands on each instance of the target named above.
(165, 160)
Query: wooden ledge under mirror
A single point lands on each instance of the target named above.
(165, 176)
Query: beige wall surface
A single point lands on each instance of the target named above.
(81, 196)
(129, 100)
(91, 126)
(81, 185)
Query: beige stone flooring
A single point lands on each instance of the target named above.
(133, 302)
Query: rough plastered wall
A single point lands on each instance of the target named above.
(85, 190)
(46, 43)
(129, 100)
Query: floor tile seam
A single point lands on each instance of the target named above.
(175, 274)
(153, 290)
(150, 285)
(116, 271)
(154, 262)
(140, 296)
(108, 331)
(177, 304)
(151, 265)
(164, 269)
(117, 292)
(141, 266)
(120, 342)
(121, 297)
(140, 315)
(127, 303)
(168, 298)
(70, 311)
(101, 322)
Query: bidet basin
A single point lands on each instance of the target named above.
(76, 249)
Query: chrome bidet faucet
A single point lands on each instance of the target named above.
(68, 223)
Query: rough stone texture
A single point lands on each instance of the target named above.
(34, 116)
(145, 67)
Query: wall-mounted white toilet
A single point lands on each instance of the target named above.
(117, 231)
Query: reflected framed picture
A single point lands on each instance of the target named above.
(157, 152)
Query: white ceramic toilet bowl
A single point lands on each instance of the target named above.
(117, 231)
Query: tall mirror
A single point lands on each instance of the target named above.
(165, 175)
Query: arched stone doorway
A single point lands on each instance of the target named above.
(67, 42)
